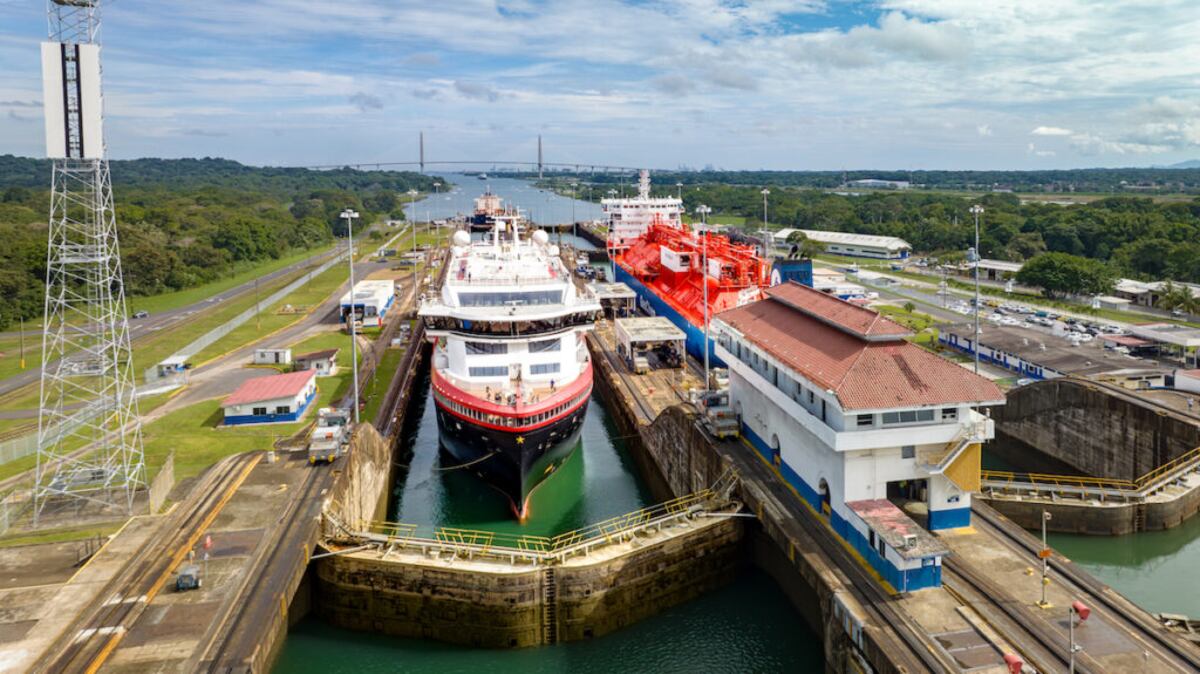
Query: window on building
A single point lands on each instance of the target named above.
(544, 345)
(812, 398)
(474, 348)
(908, 452)
(496, 371)
(882, 548)
(866, 420)
(283, 409)
(907, 417)
(949, 413)
(544, 368)
(259, 411)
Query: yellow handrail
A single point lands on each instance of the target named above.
(1086, 482)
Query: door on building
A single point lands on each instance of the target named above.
(826, 502)
(911, 496)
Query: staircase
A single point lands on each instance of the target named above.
(549, 606)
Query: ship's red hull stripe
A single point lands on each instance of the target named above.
(514, 429)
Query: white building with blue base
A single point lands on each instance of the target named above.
(865, 426)
(274, 399)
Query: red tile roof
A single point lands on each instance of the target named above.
(841, 314)
(270, 388)
(863, 374)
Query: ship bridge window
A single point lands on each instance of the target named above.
(543, 345)
(496, 371)
(544, 368)
(474, 348)
(510, 298)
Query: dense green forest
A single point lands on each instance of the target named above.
(1117, 180)
(184, 222)
(1136, 236)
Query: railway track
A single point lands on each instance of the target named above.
(236, 638)
(1151, 635)
(87, 644)
(897, 633)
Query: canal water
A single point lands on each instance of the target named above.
(540, 206)
(1156, 569)
(746, 626)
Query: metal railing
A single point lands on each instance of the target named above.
(1082, 485)
(530, 549)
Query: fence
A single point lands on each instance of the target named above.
(152, 375)
(515, 548)
(1080, 485)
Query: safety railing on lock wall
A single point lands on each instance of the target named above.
(460, 543)
(1082, 486)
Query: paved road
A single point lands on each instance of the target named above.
(165, 319)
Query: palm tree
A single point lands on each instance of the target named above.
(804, 247)
(909, 307)
(1177, 297)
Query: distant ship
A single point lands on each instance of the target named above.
(482, 176)
(490, 210)
(511, 372)
(662, 259)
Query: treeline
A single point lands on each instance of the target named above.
(1135, 236)
(1094, 180)
(189, 221)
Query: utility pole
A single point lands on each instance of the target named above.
(703, 211)
(679, 191)
(422, 150)
(257, 308)
(766, 232)
(539, 156)
(349, 215)
(22, 333)
(977, 210)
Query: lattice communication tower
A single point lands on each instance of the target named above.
(89, 429)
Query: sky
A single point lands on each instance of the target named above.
(749, 84)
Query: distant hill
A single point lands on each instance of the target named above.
(1189, 164)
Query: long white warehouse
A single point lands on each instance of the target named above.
(857, 245)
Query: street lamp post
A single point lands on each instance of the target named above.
(976, 210)
(349, 215)
(1044, 553)
(703, 212)
(679, 187)
(766, 232)
(412, 212)
(574, 226)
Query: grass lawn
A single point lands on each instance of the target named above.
(308, 296)
(180, 298)
(377, 389)
(10, 352)
(60, 535)
(921, 324)
(198, 439)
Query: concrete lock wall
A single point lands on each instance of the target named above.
(1091, 429)
(505, 609)
(1074, 517)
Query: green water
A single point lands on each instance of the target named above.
(747, 626)
(1156, 569)
(597, 482)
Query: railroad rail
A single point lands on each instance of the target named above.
(86, 644)
(1169, 646)
(235, 638)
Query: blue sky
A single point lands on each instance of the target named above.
(805, 84)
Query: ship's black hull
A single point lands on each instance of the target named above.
(514, 462)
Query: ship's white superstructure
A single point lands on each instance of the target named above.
(509, 318)
(629, 218)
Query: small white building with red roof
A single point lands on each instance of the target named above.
(273, 399)
(860, 422)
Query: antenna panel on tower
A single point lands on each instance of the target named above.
(72, 101)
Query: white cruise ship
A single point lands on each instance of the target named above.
(511, 372)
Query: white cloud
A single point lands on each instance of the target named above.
(1051, 131)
